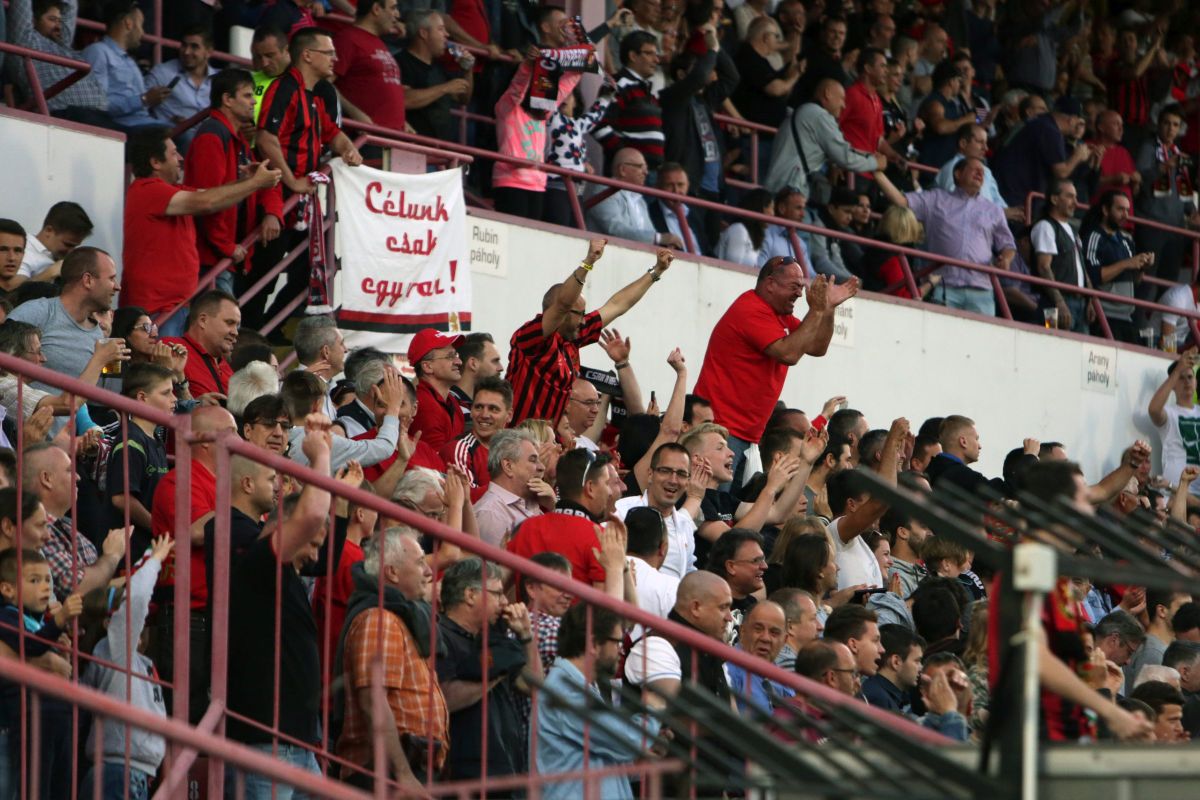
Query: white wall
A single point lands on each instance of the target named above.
(889, 357)
(45, 163)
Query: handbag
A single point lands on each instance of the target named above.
(820, 190)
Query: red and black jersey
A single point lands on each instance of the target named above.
(633, 120)
(1130, 95)
(300, 119)
(542, 368)
(471, 456)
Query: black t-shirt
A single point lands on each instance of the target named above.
(717, 506)
(244, 531)
(462, 661)
(750, 96)
(147, 465)
(252, 649)
(434, 119)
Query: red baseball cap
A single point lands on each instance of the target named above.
(429, 339)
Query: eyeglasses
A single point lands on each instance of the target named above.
(331, 52)
(450, 357)
(758, 562)
(588, 403)
(667, 472)
(616, 639)
(284, 425)
(147, 327)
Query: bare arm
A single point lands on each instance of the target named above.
(672, 421)
(1112, 483)
(1179, 499)
(217, 198)
(268, 144)
(937, 122)
(1159, 401)
(568, 291)
(138, 515)
(865, 515)
(628, 297)
(815, 332)
(312, 510)
(893, 195)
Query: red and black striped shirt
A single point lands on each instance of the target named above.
(300, 120)
(1130, 95)
(542, 368)
(471, 456)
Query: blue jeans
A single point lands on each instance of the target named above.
(112, 783)
(981, 301)
(225, 281)
(258, 787)
(175, 325)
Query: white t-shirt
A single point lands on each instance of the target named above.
(651, 659)
(37, 257)
(584, 443)
(681, 538)
(1180, 441)
(1044, 242)
(655, 591)
(856, 563)
(1181, 297)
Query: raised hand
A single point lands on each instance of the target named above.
(616, 347)
(456, 487)
(818, 294)
(781, 472)
(814, 444)
(114, 543)
(1032, 446)
(663, 261)
(676, 361)
(517, 617)
(841, 292)
(614, 539)
(1138, 454)
(38, 424)
(406, 447)
(1189, 474)
(318, 439)
(351, 474)
(834, 403)
(698, 482)
(595, 250)
(161, 547)
(71, 608)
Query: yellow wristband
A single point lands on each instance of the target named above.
(585, 266)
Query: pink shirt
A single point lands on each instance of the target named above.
(521, 134)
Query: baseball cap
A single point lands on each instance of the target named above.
(424, 341)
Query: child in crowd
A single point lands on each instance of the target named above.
(45, 622)
(124, 646)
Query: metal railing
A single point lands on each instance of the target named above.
(40, 96)
(207, 738)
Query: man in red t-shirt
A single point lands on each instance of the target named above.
(432, 355)
(213, 320)
(1117, 170)
(368, 77)
(161, 263)
(755, 342)
(862, 117)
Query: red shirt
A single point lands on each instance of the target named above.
(439, 419)
(161, 264)
(567, 531)
(862, 118)
(423, 456)
(472, 17)
(338, 594)
(1115, 161)
(162, 520)
(203, 372)
(369, 77)
(213, 159)
(740, 380)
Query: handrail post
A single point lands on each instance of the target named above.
(1001, 300)
(158, 31)
(35, 86)
(754, 155)
(181, 657)
(573, 199)
(906, 268)
(218, 591)
(798, 252)
(1101, 318)
(681, 214)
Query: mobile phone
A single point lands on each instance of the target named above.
(860, 596)
(174, 81)
(651, 397)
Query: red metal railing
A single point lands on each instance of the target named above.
(40, 95)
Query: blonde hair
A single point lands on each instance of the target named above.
(796, 526)
(900, 226)
(691, 439)
(540, 428)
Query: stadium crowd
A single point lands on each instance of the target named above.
(737, 516)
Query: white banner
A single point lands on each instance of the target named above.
(403, 245)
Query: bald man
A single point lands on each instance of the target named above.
(815, 127)
(703, 603)
(762, 634)
(46, 471)
(626, 214)
(1117, 168)
(211, 420)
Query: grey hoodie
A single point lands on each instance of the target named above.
(146, 750)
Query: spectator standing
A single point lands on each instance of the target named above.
(861, 119)
(129, 101)
(521, 131)
(267, 570)
(812, 140)
(701, 83)
(565, 743)
(824, 63)
(1058, 256)
(738, 558)
(472, 596)
(514, 488)
(1168, 195)
(1116, 169)
(1178, 421)
(755, 342)
(972, 142)
(963, 225)
(439, 417)
(65, 227)
(567, 148)
(626, 214)
(544, 356)
(212, 331)
(943, 113)
(401, 629)
(1111, 263)
(303, 395)
(367, 76)
(69, 333)
(429, 92)
(51, 30)
(480, 360)
(189, 78)
(932, 49)
(763, 86)
(216, 156)
(270, 58)
(1037, 31)
(289, 16)
(161, 259)
(1130, 86)
(635, 117)
(1038, 152)
(294, 127)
